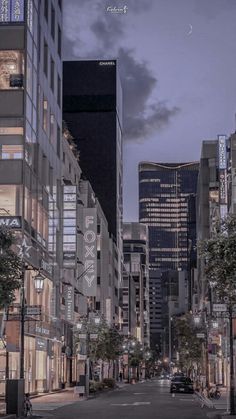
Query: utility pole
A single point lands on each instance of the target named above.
(22, 319)
(231, 357)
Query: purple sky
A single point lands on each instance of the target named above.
(178, 88)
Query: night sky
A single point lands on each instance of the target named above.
(177, 61)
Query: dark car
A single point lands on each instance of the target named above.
(180, 384)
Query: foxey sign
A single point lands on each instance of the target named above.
(90, 252)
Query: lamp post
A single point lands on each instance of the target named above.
(39, 284)
(127, 346)
(83, 326)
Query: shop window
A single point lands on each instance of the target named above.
(11, 70)
(11, 152)
(11, 200)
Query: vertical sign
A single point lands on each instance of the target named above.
(69, 226)
(223, 186)
(222, 151)
(17, 10)
(13, 336)
(90, 252)
(69, 300)
(4, 11)
(11, 11)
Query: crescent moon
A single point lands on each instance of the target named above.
(191, 29)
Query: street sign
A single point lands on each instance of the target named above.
(33, 310)
(200, 335)
(93, 336)
(82, 335)
(82, 357)
(219, 307)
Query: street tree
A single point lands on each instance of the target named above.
(188, 344)
(109, 346)
(10, 268)
(219, 255)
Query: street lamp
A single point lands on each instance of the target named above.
(129, 344)
(39, 283)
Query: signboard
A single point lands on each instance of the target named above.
(40, 344)
(93, 336)
(219, 307)
(200, 335)
(11, 222)
(12, 336)
(69, 226)
(11, 11)
(33, 310)
(82, 357)
(69, 300)
(90, 252)
(79, 389)
(223, 186)
(222, 151)
(82, 335)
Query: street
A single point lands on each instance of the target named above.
(150, 399)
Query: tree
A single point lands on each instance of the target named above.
(109, 345)
(219, 254)
(10, 268)
(189, 346)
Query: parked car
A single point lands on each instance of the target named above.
(181, 384)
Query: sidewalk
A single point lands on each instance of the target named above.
(51, 401)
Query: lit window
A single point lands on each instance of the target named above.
(11, 130)
(11, 70)
(12, 152)
(45, 115)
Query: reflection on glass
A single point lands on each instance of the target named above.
(11, 70)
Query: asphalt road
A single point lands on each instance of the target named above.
(148, 400)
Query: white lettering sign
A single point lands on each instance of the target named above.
(90, 252)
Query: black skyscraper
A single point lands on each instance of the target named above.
(93, 113)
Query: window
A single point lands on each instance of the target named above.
(98, 280)
(45, 115)
(59, 3)
(46, 9)
(45, 58)
(59, 41)
(52, 128)
(52, 74)
(11, 152)
(58, 141)
(52, 22)
(11, 200)
(59, 91)
(11, 130)
(11, 70)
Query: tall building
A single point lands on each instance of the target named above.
(92, 109)
(164, 189)
(30, 151)
(136, 273)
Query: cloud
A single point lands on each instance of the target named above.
(143, 114)
(92, 32)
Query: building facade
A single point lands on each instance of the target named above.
(164, 189)
(137, 270)
(30, 144)
(92, 109)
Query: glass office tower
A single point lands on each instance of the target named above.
(164, 190)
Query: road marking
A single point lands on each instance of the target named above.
(131, 404)
(139, 393)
